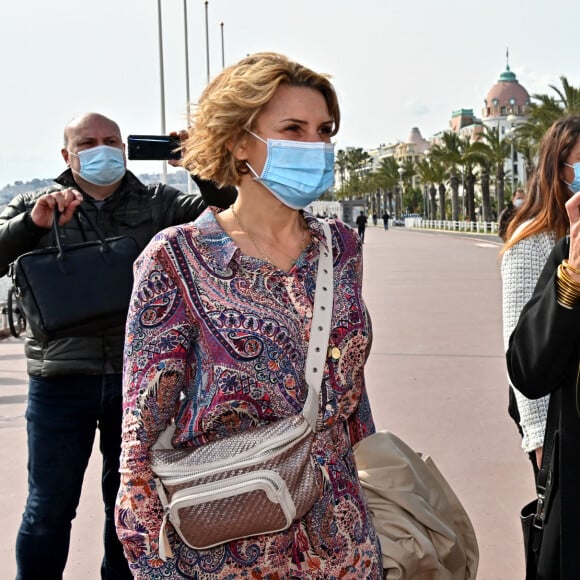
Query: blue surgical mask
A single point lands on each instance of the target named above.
(518, 202)
(101, 165)
(296, 172)
(574, 187)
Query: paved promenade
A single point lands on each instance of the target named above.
(436, 377)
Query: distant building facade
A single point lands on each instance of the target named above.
(505, 106)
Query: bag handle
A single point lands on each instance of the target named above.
(56, 231)
(104, 247)
(320, 327)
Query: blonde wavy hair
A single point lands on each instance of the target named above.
(231, 102)
(544, 206)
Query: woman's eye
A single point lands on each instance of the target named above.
(326, 130)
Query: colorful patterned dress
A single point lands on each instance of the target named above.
(217, 341)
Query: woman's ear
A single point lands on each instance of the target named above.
(238, 147)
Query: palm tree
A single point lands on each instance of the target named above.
(387, 178)
(483, 155)
(471, 156)
(357, 161)
(439, 174)
(406, 171)
(547, 110)
(496, 150)
(448, 153)
(341, 163)
(431, 172)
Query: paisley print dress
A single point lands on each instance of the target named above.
(217, 342)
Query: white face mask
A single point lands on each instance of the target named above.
(518, 202)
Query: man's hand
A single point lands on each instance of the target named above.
(67, 200)
(182, 137)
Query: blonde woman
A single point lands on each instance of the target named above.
(219, 325)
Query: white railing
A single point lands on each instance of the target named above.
(454, 226)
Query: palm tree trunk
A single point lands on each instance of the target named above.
(390, 199)
(432, 194)
(470, 179)
(485, 197)
(499, 180)
(442, 190)
(454, 198)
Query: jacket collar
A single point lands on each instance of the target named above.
(129, 183)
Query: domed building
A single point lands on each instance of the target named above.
(413, 148)
(506, 105)
(506, 97)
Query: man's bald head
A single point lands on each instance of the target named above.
(76, 125)
(89, 131)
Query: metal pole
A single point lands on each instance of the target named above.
(206, 41)
(513, 166)
(511, 120)
(187, 95)
(223, 54)
(162, 82)
(186, 36)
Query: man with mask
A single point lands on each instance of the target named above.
(75, 383)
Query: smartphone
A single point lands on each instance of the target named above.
(152, 147)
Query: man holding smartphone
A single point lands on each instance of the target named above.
(75, 382)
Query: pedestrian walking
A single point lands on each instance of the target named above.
(361, 224)
(386, 218)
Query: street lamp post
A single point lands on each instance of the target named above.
(400, 171)
(511, 119)
(162, 83)
(206, 41)
(223, 53)
(187, 93)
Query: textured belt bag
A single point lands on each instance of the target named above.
(255, 482)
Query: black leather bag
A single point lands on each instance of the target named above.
(76, 289)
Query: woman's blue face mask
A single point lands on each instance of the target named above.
(574, 187)
(296, 172)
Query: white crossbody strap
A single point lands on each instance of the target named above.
(320, 329)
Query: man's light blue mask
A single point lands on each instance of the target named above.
(296, 172)
(101, 165)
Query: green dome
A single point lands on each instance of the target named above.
(507, 76)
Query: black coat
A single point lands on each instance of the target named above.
(135, 210)
(543, 357)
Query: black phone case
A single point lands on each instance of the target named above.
(153, 147)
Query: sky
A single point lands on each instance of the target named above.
(395, 65)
